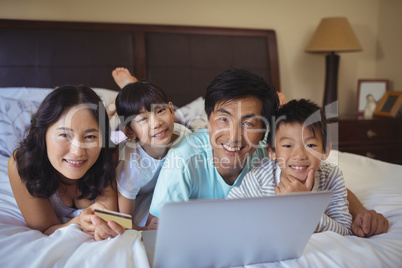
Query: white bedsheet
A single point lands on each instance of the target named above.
(67, 247)
(377, 184)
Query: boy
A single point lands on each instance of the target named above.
(297, 147)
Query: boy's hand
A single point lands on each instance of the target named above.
(290, 184)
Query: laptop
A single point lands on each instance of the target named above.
(234, 232)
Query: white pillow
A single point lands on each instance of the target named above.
(18, 104)
(38, 94)
(193, 114)
(109, 97)
(15, 119)
(25, 93)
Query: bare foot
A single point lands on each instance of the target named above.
(282, 98)
(122, 77)
(111, 110)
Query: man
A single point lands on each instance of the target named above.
(210, 162)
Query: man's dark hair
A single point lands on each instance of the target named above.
(235, 84)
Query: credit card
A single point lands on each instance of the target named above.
(123, 219)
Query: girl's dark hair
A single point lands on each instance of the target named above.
(304, 112)
(40, 177)
(239, 83)
(135, 96)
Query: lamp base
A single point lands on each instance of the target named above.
(331, 79)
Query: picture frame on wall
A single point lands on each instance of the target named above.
(390, 104)
(369, 89)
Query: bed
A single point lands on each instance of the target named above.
(31, 67)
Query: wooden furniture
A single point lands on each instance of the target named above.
(182, 60)
(379, 138)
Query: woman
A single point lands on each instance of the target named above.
(62, 170)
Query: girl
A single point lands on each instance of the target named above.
(148, 122)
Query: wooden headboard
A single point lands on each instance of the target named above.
(182, 60)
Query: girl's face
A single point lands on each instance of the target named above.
(298, 150)
(153, 129)
(74, 142)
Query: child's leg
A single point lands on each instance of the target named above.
(122, 77)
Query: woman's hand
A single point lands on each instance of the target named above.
(106, 230)
(94, 225)
(85, 220)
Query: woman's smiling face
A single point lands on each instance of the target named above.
(74, 142)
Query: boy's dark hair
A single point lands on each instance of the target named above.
(40, 177)
(304, 112)
(239, 83)
(135, 96)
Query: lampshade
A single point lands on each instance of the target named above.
(333, 34)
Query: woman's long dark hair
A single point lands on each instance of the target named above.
(40, 177)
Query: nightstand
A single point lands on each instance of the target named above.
(379, 138)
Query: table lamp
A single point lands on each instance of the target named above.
(333, 35)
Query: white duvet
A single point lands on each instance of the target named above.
(377, 184)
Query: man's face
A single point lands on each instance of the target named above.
(235, 130)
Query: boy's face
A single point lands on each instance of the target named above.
(235, 130)
(154, 128)
(298, 150)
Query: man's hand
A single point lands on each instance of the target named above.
(368, 223)
(290, 184)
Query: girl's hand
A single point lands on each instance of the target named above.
(153, 224)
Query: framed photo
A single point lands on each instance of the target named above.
(367, 87)
(390, 104)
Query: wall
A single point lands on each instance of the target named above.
(302, 74)
(389, 43)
